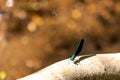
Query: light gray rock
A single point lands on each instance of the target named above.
(85, 67)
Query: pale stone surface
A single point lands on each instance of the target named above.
(82, 66)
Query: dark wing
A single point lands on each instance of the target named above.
(78, 49)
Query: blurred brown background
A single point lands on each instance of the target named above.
(37, 33)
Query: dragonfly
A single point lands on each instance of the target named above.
(77, 50)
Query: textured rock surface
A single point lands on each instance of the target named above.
(86, 67)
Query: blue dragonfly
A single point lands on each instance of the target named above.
(78, 50)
